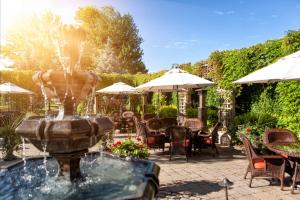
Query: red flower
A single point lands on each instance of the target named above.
(248, 130)
(138, 138)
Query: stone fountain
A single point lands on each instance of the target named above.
(66, 137)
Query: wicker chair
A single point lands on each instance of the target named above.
(180, 141)
(263, 165)
(152, 140)
(279, 135)
(116, 120)
(128, 120)
(195, 125)
(209, 139)
(148, 116)
(154, 125)
(168, 122)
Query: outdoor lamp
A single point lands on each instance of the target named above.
(225, 183)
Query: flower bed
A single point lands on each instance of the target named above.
(130, 148)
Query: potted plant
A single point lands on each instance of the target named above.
(10, 139)
(130, 148)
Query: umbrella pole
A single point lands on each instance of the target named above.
(177, 101)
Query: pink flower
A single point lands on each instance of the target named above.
(138, 138)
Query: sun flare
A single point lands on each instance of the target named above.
(13, 11)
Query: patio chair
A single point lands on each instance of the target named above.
(279, 135)
(152, 140)
(195, 125)
(180, 141)
(116, 120)
(154, 125)
(128, 120)
(168, 122)
(263, 165)
(209, 139)
(148, 116)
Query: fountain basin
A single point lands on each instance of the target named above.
(67, 140)
(105, 176)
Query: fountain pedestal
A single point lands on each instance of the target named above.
(69, 164)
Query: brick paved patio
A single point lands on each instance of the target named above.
(198, 178)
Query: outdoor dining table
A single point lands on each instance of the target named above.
(292, 150)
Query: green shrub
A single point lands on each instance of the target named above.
(10, 138)
(192, 112)
(212, 116)
(259, 121)
(167, 111)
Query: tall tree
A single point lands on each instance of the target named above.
(29, 43)
(104, 24)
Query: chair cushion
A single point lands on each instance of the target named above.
(259, 163)
(207, 140)
(284, 155)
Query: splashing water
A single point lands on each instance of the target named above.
(44, 146)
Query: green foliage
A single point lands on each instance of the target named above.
(192, 112)
(168, 111)
(261, 121)
(113, 39)
(289, 105)
(130, 148)
(10, 138)
(212, 116)
(253, 133)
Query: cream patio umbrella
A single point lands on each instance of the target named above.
(286, 68)
(174, 80)
(5, 64)
(10, 88)
(119, 88)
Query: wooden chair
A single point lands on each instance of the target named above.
(263, 165)
(152, 140)
(209, 139)
(180, 141)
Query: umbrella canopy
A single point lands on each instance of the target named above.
(287, 68)
(118, 88)
(173, 80)
(10, 88)
(5, 64)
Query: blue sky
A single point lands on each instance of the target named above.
(180, 31)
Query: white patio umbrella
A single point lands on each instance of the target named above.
(5, 64)
(286, 68)
(10, 88)
(118, 88)
(173, 80)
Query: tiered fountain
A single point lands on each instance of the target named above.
(67, 137)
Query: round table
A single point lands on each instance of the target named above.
(292, 150)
